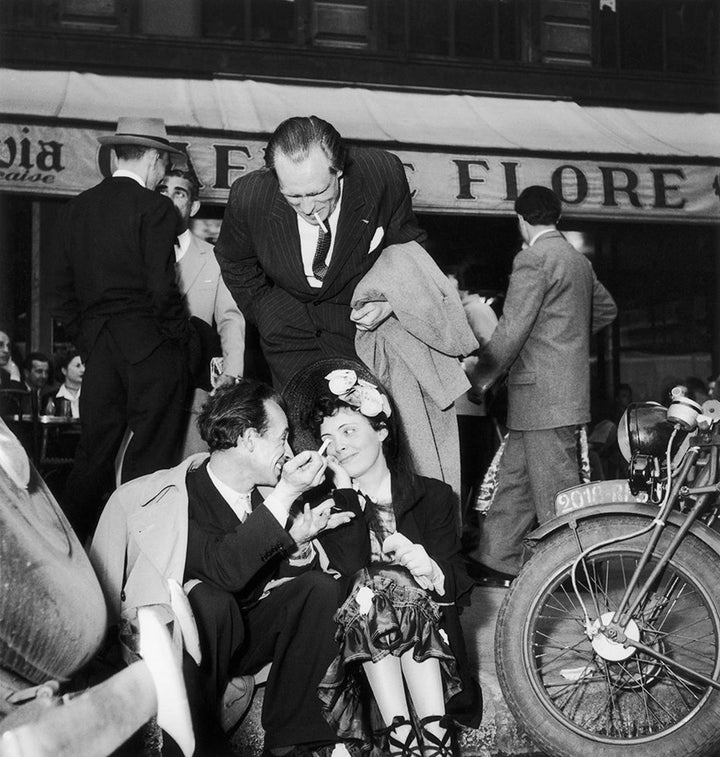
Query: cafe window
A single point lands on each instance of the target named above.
(340, 24)
(272, 21)
(684, 32)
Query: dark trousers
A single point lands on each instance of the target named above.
(148, 397)
(534, 466)
(293, 629)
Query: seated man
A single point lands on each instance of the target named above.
(256, 590)
(36, 374)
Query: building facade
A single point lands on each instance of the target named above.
(613, 103)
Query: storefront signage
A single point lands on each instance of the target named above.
(62, 161)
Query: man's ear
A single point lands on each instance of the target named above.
(248, 439)
(194, 207)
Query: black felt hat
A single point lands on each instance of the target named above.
(303, 389)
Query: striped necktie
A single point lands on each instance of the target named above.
(319, 267)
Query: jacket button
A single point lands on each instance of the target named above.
(318, 333)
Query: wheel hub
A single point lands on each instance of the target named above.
(606, 635)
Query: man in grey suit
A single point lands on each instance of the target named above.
(299, 234)
(204, 293)
(554, 302)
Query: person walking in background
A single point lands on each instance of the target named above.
(116, 294)
(299, 234)
(553, 304)
(204, 293)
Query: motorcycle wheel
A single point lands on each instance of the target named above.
(566, 694)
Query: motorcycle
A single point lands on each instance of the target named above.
(608, 642)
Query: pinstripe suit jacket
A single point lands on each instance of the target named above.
(554, 302)
(259, 253)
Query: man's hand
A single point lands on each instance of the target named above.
(313, 520)
(302, 472)
(223, 380)
(370, 315)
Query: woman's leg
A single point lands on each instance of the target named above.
(424, 682)
(386, 681)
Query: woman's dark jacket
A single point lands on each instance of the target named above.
(425, 512)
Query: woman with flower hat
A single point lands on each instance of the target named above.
(398, 630)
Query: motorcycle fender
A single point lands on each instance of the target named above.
(708, 536)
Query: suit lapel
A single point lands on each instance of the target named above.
(189, 267)
(352, 224)
(285, 239)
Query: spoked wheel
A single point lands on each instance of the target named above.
(573, 687)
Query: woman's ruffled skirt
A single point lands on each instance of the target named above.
(385, 613)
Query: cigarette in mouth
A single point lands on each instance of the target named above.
(321, 223)
(323, 446)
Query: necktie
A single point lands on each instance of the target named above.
(242, 506)
(319, 267)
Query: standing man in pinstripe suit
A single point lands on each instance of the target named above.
(299, 234)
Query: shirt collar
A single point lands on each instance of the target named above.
(183, 242)
(123, 172)
(230, 495)
(540, 234)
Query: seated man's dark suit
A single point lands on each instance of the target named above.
(292, 626)
(117, 296)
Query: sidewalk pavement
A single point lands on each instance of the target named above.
(498, 734)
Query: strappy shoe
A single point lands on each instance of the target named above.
(393, 746)
(439, 746)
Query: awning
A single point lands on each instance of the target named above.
(463, 153)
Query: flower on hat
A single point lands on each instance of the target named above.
(369, 400)
(341, 381)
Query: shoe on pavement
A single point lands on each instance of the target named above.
(483, 575)
(236, 702)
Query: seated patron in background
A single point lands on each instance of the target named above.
(8, 367)
(10, 382)
(72, 369)
(204, 295)
(36, 374)
(255, 586)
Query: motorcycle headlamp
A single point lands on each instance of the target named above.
(644, 429)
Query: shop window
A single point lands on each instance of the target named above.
(90, 14)
(250, 20)
(689, 36)
(103, 15)
(428, 27)
(683, 34)
(566, 32)
(340, 24)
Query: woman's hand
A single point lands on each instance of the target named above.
(314, 520)
(415, 558)
(341, 479)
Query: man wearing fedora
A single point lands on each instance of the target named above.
(116, 294)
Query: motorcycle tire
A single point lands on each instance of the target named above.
(566, 694)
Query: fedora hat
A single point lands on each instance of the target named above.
(305, 386)
(143, 132)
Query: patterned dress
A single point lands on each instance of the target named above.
(386, 612)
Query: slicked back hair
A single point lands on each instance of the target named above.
(295, 136)
(539, 206)
(234, 409)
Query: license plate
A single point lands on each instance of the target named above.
(595, 493)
